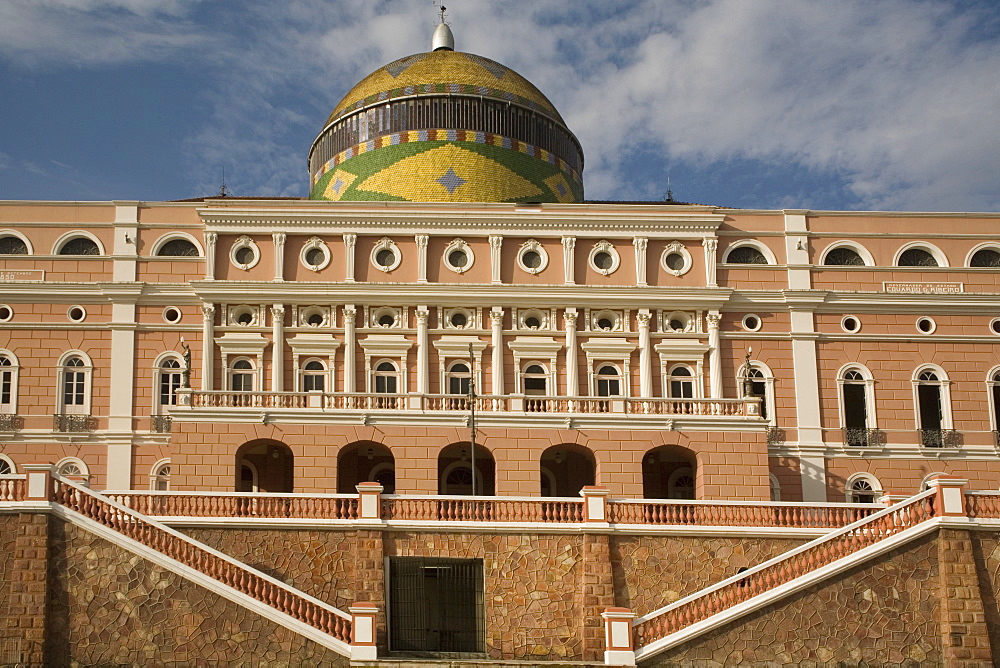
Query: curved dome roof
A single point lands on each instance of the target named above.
(442, 72)
(446, 126)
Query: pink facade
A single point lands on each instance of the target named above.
(330, 345)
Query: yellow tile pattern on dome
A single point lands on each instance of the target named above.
(449, 174)
(339, 183)
(560, 188)
(444, 67)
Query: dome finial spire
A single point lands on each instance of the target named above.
(443, 40)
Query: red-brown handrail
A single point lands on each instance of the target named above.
(785, 568)
(263, 506)
(495, 509)
(673, 513)
(194, 555)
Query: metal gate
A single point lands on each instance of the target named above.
(436, 605)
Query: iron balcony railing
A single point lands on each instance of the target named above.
(160, 424)
(70, 423)
(10, 422)
(864, 437)
(940, 438)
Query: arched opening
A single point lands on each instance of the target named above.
(264, 465)
(930, 408)
(455, 471)
(854, 389)
(862, 488)
(565, 469)
(669, 472)
(365, 461)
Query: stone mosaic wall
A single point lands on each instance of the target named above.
(8, 529)
(320, 563)
(884, 613)
(532, 609)
(110, 607)
(652, 571)
(986, 551)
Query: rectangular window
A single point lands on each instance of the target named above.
(169, 384)
(6, 387)
(73, 388)
(436, 605)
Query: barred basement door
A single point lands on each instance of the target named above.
(436, 605)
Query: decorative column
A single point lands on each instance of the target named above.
(640, 244)
(210, 240)
(423, 357)
(279, 256)
(572, 368)
(645, 351)
(710, 244)
(496, 242)
(496, 321)
(363, 646)
(714, 356)
(349, 241)
(569, 243)
(421, 240)
(278, 348)
(207, 347)
(349, 355)
(619, 650)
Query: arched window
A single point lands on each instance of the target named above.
(314, 376)
(993, 387)
(746, 255)
(159, 476)
(8, 383)
(170, 379)
(681, 484)
(985, 257)
(565, 469)
(242, 376)
(681, 383)
(775, 487)
(7, 465)
(662, 469)
(458, 383)
(11, 245)
(248, 479)
(79, 246)
(863, 488)
(72, 466)
(609, 381)
(455, 470)
(916, 257)
(843, 256)
(857, 407)
(74, 383)
(535, 380)
(385, 380)
(933, 406)
(178, 248)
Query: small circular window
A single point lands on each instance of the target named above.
(850, 324)
(676, 259)
(604, 258)
(315, 258)
(458, 256)
(751, 322)
(314, 319)
(385, 317)
(606, 324)
(926, 325)
(244, 253)
(995, 326)
(76, 313)
(531, 322)
(6, 313)
(532, 258)
(385, 256)
(314, 254)
(459, 319)
(171, 314)
(386, 320)
(314, 316)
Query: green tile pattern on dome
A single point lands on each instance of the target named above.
(444, 72)
(448, 170)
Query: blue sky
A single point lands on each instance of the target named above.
(813, 104)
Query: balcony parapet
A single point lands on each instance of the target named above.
(73, 423)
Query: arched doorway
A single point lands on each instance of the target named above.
(455, 471)
(365, 461)
(565, 469)
(669, 472)
(264, 465)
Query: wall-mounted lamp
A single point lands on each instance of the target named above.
(370, 453)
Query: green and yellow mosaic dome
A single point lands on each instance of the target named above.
(446, 126)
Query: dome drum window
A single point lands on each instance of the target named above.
(532, 319)
(314, 316)
(532, 258)
(385, 255)
(604, 259)
(459, 318)
(676, 259)
(678, 322)
(386, 317)
(244, 315)
(606, 321)
(458, 256)
(315, 255)
(244, 253)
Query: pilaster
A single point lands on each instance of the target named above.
(496, 243)
(569, 260)
(421, 241)
(211, 239)
(279, 256)
(640, 244)
(349, 242)
(711, 246)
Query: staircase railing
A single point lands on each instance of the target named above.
(701, 513)
(784, 568)
(12, 487)
(983, 505)
(188, 552)
(237, 504)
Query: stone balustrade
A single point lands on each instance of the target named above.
(12, 487)
(983, 505)
(707, 513)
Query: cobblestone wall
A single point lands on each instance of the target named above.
(532, 610)
(111, 607)
(986, 551)
(884, 613)
(652, 571)
(319, 563)
(8, 531)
